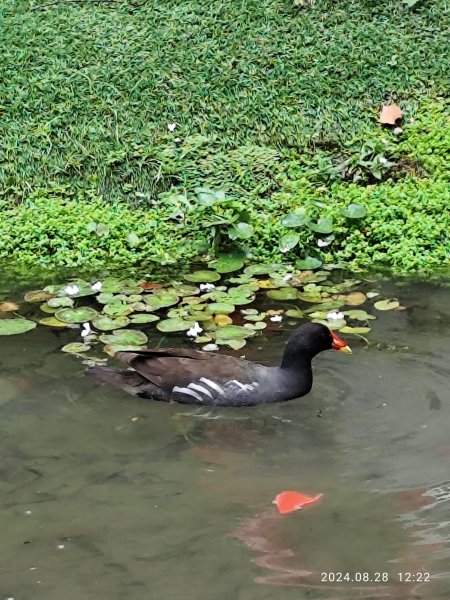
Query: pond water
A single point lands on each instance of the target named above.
(107, 497)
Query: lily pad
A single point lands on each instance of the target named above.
(257, 326)
(355, 330)
(231, 332)
(294, 313)
(359, 315)
(15, 326)
(125, 337)
(53, 322)
(144, 318)
(105, 323)
(234, 344)
(203, 276)
(47, 309)
(156, 301)
(386, 304)
(117, 309)
(75, 348)
(286, 293)
(184, 289)
(76, 315)
(222, 320)
(176, 324)
(227, 263)
(308, 263)
(60, 302)
(38, 296)
(261, 269)
(355, 299)
(220, 308)
(355, 211)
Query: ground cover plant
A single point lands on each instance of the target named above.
(144, 131)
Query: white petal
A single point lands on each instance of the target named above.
(398, 131)
(276, 318)
(171, 126)
(97, 286)
(210, 348)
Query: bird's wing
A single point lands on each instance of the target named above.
(170, 367)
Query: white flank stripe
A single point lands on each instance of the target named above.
(214, 386)
(200, 388)
(243, 386)
(187, 391)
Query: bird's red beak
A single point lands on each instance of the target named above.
(339, 344)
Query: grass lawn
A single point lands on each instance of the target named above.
(274, 103)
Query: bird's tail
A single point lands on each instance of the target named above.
(121, 379)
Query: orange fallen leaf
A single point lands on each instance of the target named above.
(287, 502)
(390, 114)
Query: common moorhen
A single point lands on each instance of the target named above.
(197, 377)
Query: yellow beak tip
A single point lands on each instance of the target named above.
(346, 350)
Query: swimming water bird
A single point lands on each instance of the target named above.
(211, 379)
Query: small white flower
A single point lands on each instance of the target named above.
(322, 243)
(210, 348)
(287, 277)
(383, 160)
(207, 287)
(397, 131)
(86, 330)
(194, 331)
(171, 126)
(276, 318)
(177, 140)
(334, 315)
(71, 290)
(97, 286)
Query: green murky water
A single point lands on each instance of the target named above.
(106, 497)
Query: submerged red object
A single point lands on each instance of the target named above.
(287, 502)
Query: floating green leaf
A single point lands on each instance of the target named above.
(355, 330)
(105, 323)
(60, 302)
(175, 324)
(308, 263)
(203, 276)
(289, 241)
(38, 296)
(144, 318)
(75, 348)
(53, 322)
(260, 269)
(322, 226)
(359, 315)
(76, 315)
(355, 299)
(234, 344)
(257, 326)
(125, 337)
(47, 309)
(355, 211)
(227, 263)
(386, 304)
(231, 332)
(15, 326)
(117, 309)
(294, 313)
(285, 293)
(220, 308)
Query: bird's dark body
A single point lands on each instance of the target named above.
(210, 379)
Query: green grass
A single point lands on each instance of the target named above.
(268, 99)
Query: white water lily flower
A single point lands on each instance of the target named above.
(383, 160)
(86, 330)
(276, 318)
(171, 126)
(194, 331)
(287, 277)
(397, 131)
(71, 290)
(210, 348)
(207, 287)
(97, 286)
(322, 243)
(334, 315)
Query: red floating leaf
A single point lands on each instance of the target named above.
(287, 502)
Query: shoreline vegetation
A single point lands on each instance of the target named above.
(138, 133)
